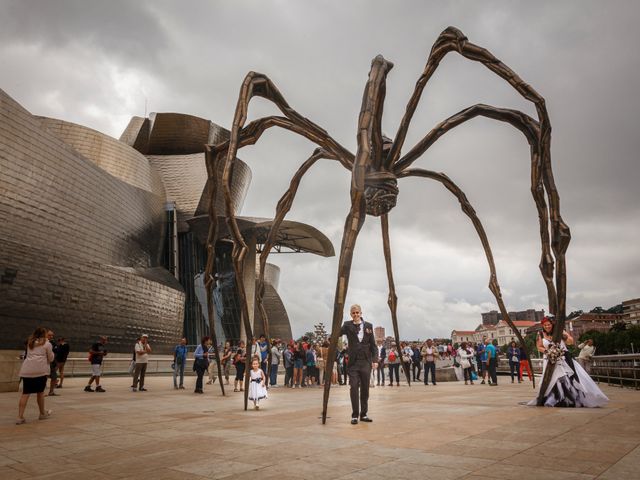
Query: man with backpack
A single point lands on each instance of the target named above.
(96, 355)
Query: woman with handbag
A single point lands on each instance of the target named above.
(513, 354)
(464, 355)
(201, 362)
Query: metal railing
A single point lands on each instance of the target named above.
(503, 365)
(623, 370)
(80, 367)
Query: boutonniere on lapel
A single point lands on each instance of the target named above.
(367, 330)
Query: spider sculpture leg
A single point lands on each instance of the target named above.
(256, 84)
(392, 301)
(212, 162)
(468, 210)
(215, 155)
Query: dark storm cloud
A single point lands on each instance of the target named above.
(95, 62)
(119, 28)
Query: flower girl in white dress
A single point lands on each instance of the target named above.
(257, 387)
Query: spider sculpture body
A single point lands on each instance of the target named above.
(376, 168)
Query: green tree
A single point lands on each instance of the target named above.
(619, 327)
(311, 337)
(616, 309)
(615, 341)
(320, 333)
(530, 342)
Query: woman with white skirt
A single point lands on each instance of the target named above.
(570, 385)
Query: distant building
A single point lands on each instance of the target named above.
(458, 336)
(631, 311)
(599, 322)
(379, 333)
(505, 333)
(491, 318)
(530, 315)
(482, 331)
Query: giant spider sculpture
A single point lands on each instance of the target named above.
(376, 168)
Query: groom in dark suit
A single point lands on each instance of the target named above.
(363, 355)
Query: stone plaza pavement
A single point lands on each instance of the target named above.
(446, 432)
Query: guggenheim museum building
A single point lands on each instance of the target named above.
(105, 236)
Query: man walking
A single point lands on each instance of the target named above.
(362, 353)
(142, 349)
(96, 355)
(179, 361)
(61, 355)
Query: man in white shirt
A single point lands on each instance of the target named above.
(142, 349)
(587, 350)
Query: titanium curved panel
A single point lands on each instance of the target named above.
(136, 134)
(296, 236)
(177, 133)
(279, 326)
(172, 134)
(113, 156)
(271, 273)
(185, 177)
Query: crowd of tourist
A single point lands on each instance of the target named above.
(303, 362)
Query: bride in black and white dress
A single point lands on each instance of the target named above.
(570, 385)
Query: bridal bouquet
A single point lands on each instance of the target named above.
(554, 352)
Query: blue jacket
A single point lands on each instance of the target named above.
(417, 356)
(180, 352)
(514, 352)
(310, 359)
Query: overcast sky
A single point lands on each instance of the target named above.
(97, 62)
